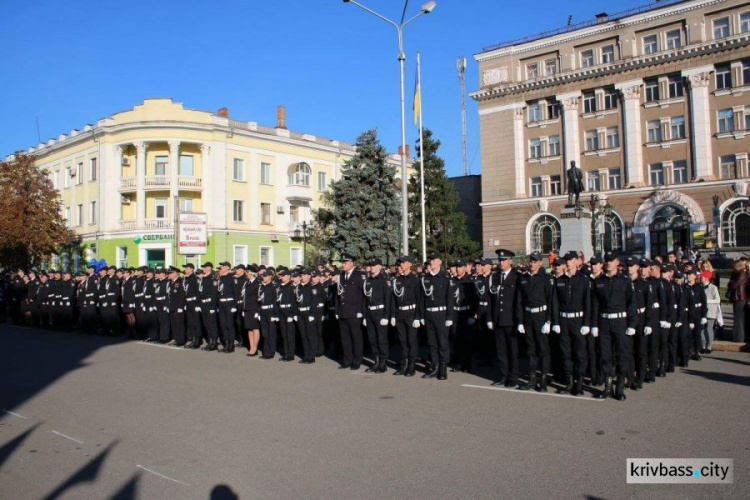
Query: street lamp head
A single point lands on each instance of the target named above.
(426, 7)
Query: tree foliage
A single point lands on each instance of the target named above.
(361, 211)
(31, 223)
(445, 225)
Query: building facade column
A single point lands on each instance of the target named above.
(174, 168)
(571, 134)
(109, 180)
(700, 114)
(519, 143)
(633, 139)
(206, 199)
(140, 174)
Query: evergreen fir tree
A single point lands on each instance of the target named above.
(361, 211)
(445, 225)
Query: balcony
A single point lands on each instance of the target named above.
(127, 224)
(161, 183)
(186, 182)
(128, 184)
(299, 193)
(132, 224)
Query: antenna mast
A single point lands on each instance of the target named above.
(461, 67)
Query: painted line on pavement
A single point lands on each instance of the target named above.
(67, 437)
(16, 414)
(161, 475)
(516, 391)
(162, 346)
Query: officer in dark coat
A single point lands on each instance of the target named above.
(176, 293)
(659, 320)
(268, 314)
(41, 301)
(407, 293)
(506, 316)
(465, 303)
(536, 290)
(67, 301)
(642, 295)
(698, 319)
(192, 307)
(286, 300)
(239, 287)
(208, 302)
(150, 318)
(139, 284)
(379, 302)
(227, 306)
(319, 303)
(305, 314)
(350, 306)
(438, 303)
(161, 296)
(251, 309)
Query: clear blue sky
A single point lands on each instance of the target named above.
(332, 65)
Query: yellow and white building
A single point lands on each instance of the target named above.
(120, 181)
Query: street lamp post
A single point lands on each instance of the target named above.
(426, 9)
(303, 234)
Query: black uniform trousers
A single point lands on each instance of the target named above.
(226, 322)
(351, 340)
(377, 334)
(239, 327)
(674, 335)
(408, 336)
(537, 343)
(464, 339)
(573, 343)
(162, 319)
(288, 334)
(193, 318)
(660, 349)
(592, 350)
(177, 322)
(615, 346)
(437, 336)
(506, 345)
(40, 316)
(308, 333)
(208, 318)
(685, 341)
(638, 351)
(152, 325)
(268, 333)
(319, 331)
(140, 324)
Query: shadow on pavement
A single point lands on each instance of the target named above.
(720, 377)
(730, 360)
(8, 448)
(86, 474)
(129, 490)
(223, 492)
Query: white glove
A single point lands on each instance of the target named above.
(364, 322)
(275, 320)
(311, 318)
(521, 329)
(337, 316)
(546, 328)
(179, 310)
(585, 330)
(665, 324)
(289, 320)
(630, 332)
(243, 313)
(359, 315)
(421, 322)
(595, 331)
(257, 316)
(556, 329)
(234, 310)
(677, 325)
(490, 325)
(415, 323)
(383, 322)
(691, 325)
(393, 321)
(647, 330)
(295, 318)
(471, 321)
(720, 323)
(704, 321)
(197, 309)
(449, 323)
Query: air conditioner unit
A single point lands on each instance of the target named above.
(125, 162)
(125, 200)
(279, 209)
(275, 238)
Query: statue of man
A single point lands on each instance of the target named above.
(575, 184)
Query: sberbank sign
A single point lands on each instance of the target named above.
(154, 237)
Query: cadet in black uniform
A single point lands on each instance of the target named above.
(209, 300)
(305, 315)
(485, 341)
(88, 311)
(643, 296)
(176, 293)
(438, 303)
(67, 302)
(408, 311)
(239, 287)
(699, 312)
(674, 331)
(465, 304)
(659, 320)
(227, 306)
(192, 307)
(269, 315)
(685, 307)
(286, 300)
(41, 314)
(319, 304)
(379, 302)
(350, 306)
(506, 318)
(161, 291)
(536, 291)
(150, 305)
(251, 309)
(139, 285)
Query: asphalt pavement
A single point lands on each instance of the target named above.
(89, 417)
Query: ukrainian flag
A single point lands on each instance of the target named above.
(417, 95)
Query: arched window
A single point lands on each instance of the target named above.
(545, 234)
(299, 174)
(612, 237)
(735, 224)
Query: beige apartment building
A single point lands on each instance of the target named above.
(652, 103)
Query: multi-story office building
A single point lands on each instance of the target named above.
(653, 104)
(122, 180)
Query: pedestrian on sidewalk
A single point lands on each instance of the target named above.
(713, 313)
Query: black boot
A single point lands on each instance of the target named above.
(229, 348)
(568, 387)
(431, 371)
(411, 368)
(543, 383)
(383, 365)
(578, 388)
(374, 367)
(442, 371)
(599, 380)
(531, 384)
(402, 367)
(620, 389)
(607, 389)
(212, 345)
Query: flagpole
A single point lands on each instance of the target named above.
(421, 163)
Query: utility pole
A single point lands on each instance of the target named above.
(461, 67)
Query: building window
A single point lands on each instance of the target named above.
(555, 185)
(656, 174)
(67, 176)
(265, 214)
(79, 174)
(160, 167)
(536, 187)
(612, 237)
(67, 217)
(186, 204)
(295, 256)
(532, 71)
(553, 108)
(122, 256)
(745, 22)
(587, 58)
(266, 256)
(160, 204)
(608, 54)
(79, 215)
(554, 144)
(747, 118)
(592, 140)
(589, 102)
(726, 120)
(721, 27)
(265, 173)
(535, 112)
(746, 72)
(545, 234)
(674, 39)
(678, 127)
(186, 166)
(238, 210)
(92, 212)
(535, 148)
(594, 181)
(727, 166)
(613, 138)
(680, 172)
(550, 67)
(650, 44)
(322, 181)
(652, 90)
(735, 225)
(238, 170)
(92, 169)
(723, 77)
(240, 254)
(675, 86)
(293, 214)
(654, 131)
(300, 176)
(610, 98)
(56, 179)
(615, 180)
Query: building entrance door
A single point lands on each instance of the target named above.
(669, 230)
(155, 257)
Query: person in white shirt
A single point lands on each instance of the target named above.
(713, 299)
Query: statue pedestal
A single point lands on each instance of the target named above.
(575, 232)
